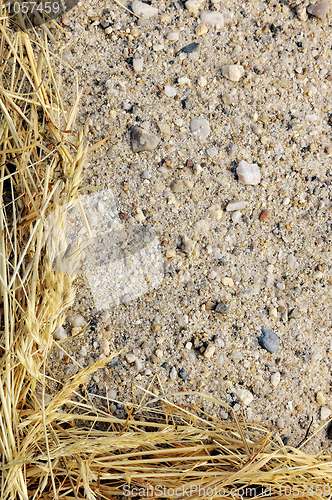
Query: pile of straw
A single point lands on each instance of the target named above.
(68, 447)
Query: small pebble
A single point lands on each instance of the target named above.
(188, 245)
(209, 352)
(170, 91)
(244, 396)
(143, 10)
(188, 49)
(269, 340)
(202, 81)
(236, 205)
(320, 398)
(248, 173)
(193, 6)
(111, 393)
(138, 365)
(60, 333)
(76, 321)
(173, 373)
(273, 312)
(264, 215)
(201, 30)
(319, 9)
(215, 212)
(232, 72)
(200, 128)
(221, 360)
(130, 357)
(173, 36)
(236, 216)
(325, 412)
(105, 347)
(280, 423)
(142, 140)
(227, 282)
(138, 64)
(275, 379)
(182, 373)
(221, 308)
(212, 18)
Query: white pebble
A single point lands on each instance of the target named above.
(173, 36)
(227, 281)
(212, 152)
(244, 396)
(138, 64)
(105, 347)
(202, 81)
(281, 286)
(138, 364)
(77, 320)
(173, 373)
(143, 10)
(320, 398)
(193, 6)
(170, 91)
(184, 80)
(215, 212)
(212, 275)
(111, 393)
(200, 128)
(236, 216)
(273, 312)
(236, 205)
(248, 173)
(188, 345)
(325, 412)
(209, 352)
(130, 357)
(280, 423)
(291, 260)
(232, 72)
(275, 379)
(60, 333)
(220, 361)
(212, 18)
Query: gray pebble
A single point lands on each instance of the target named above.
(319, 9)
(200, 128)
(182, 373)
(221, 308)
(142, 141)
(269, 340)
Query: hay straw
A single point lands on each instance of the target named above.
(72, 447)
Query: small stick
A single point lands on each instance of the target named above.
(306, 434)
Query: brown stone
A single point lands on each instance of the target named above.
(264, 215)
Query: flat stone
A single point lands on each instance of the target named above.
(143, 9)
(319, 9)
(60, 333)
(212, 18)
(248, 173)
(269, 340)
(130, 357)
(200, 128)
(236, 205)
(142, 141)
(233, 72)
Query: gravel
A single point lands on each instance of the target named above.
(260, 84)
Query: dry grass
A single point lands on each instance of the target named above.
(70, 448)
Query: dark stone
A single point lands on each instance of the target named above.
(114, 362)
(269, 340)
(192, 47)
(221, 308)
(182, 373)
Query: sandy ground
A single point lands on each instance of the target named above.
(174, 258)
